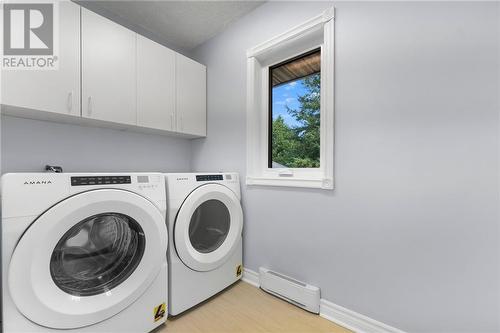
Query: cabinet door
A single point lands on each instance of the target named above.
(191, 83)
(155, 85)
(108, 70)
(58, 90)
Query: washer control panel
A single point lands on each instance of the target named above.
(100, 180)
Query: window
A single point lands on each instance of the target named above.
(290, 107)
(294, 112)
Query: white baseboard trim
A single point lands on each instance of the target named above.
(339, 315)
(251, 277)
(352, 320)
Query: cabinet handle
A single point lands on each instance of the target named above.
(172, 121)
(69, 104)
(182, 125)
(89, 106)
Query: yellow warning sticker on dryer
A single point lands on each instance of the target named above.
(159, 311)
(238, 271)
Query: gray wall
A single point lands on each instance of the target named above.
(410, 234)
(28, 145)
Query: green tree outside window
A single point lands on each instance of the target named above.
(298, 145)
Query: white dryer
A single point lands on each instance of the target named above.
(205, 223)
(83, 252)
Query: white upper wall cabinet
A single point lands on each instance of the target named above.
(55, 91)
(108, 70)
(191, 96)
(155, 85)
(108, 74)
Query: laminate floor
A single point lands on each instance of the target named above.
(244, 308)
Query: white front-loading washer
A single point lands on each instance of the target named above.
(205, 223)
(83, 252)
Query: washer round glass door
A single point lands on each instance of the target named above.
(87, 258)
(208, 227)
(97, 254)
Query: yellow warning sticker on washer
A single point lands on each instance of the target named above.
(238, 271)
(159, 311)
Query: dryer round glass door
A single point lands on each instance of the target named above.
(87, 258)
(208, 227)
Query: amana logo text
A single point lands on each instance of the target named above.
(37, 182)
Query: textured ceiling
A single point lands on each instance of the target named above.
(180, 24)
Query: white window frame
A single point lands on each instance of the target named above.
(314, 33)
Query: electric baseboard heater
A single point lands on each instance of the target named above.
(296, 292)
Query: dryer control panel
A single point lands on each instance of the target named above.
(206, 178)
